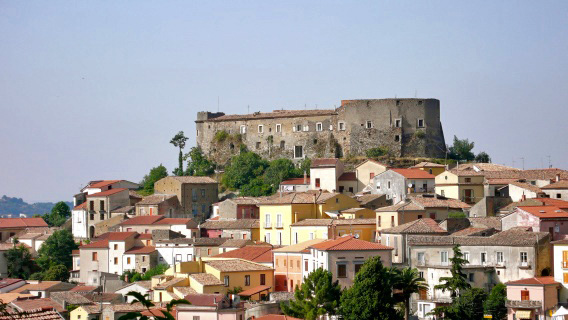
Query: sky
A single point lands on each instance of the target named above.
(96, 89)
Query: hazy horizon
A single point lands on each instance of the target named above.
(96, 89)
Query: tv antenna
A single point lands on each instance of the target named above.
(217, 103)
(549, 162)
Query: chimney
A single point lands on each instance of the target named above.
(305, 177)
(126, 277)
(557, 177)
(523, 197)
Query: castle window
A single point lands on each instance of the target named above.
(278, 128)
(258, 145)
(369, 124)
(243, 129)
(341, 126)
(306, 128)
(298, 127)
(330, 127)
(282, 144)
(398, 102)
(298, 152)
(419, 102)
(397, 123)
(397, 138)
(315, 141)
(319, 126)
(260, 128)
(197, 133)
(420, 123)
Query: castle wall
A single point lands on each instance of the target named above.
(355, 127)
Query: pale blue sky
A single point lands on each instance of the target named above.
(96, 89)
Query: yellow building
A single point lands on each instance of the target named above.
(430, 167)
(310, 229)
(85, 312)
(357, 213)
(418, 207)
(466, 186)
(277, 213)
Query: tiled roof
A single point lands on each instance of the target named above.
(324, 162)
(545, 212)
(534, 281)
(244, 200)
(424, 202)
(527, 186)
(414, 173)
(37, 314)
(125, 209)
(250, 253)
(312, 223)
(126, 307)
(274, 114)
(141, 220)
(41, 286)
(175, 221)
(473, 231)
(106, 193)
(185, 290)
(192, 179)
(11, 296)
(134, 195)
(231, 224)
(84, 289)
(328, 222)
(237, 243)
(487, 222)
(536, 202)
(206, 279)
(299, 247)
(116, 236)
(357, 221)
(69, 297)
(366, 198)
(169, 283)
(295, 181)
(8, 282)
(155, 199)
(298, 197)
(352, 210)
(144, 236)
(348, 176)
(515, 237)
(428, 165)
(140, 250)
(276, 317)
(102, 183)
(144, 284)
(80, 206)
(103, 297)
(500, 182)
(207, 242)
(348, 243)
(373, 161)
(236, 265)
(27, 304)
(9, 223)
(562, 184)
(420, 226)
(204, 299)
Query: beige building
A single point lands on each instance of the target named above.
(431, 168)
(366, 171)
(147, 224)
(159, 204)
(417, 207)
(324, 174)
(467, 186)
(195, 194)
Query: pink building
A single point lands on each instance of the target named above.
(210, 307)
(547, 218)
(532, 298)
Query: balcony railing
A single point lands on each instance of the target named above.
(267, 224)
(279, 224)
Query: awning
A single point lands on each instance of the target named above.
(252, 291)
(523, 314)
(560, 313)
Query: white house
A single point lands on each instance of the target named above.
(172, 251)
(142, 287)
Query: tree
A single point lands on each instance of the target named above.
(458, 279)
(141, 299)
(468, 306)
(483, 157)
(59, 214)
(495, 303)
(198, 164)
(278, 171)
(461, 149)
(242, 169)
(318, 295)
(377, 152)
(19, 262)
(57, 250)
(256, 188)
(179, 142)
(157, 270)
(57, 272)
(155, 174)
(371, 295)
(409, 281)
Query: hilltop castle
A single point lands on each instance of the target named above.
(407, 127)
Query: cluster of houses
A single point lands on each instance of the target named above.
(238, 258)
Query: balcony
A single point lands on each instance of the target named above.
(565, 264)
(267, 225)
(279, 225)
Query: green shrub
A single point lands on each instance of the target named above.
(377, 152)
(420, 134)
(221, 136)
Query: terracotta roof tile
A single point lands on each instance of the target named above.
(155, 199)
(534, 281)
(516, 237)
(81, 206)
(348, 176)
(373, 161)
(141, 250)
(84, 289)
(204, 299)
(562, 184)
(102, 183)
(420, 226)
(348, 243)
(424, 202)
(175, 221)
(324, 162)
(276, 317)
(192, 179)
(9, 281)
(236, 265)
(299, 247)
(250, 253)
(545, 212)
(8, 223)
(295, 181)
(298, 197)
(141, 220)
(27, 304)
(107, 193)
(366, 198)
(428, 165)
(527, 186)
(414, 173)
(37, 314)
(231, 224)
(206, 279)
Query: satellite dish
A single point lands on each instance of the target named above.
(410, 185)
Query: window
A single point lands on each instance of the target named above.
(306, 128)
(351, 189)
(369, 124)
(419, 216)
(116, 247)
(226, 281)
(243, 129)
(262, 279)
(278, 220)
(398, 123)
(267, 223)
(466, 257)
(311, 236)
(420, 123)
(524, 259)
(397, 138)
(278, 127)
(102, 205)
(209, 252)
(500, 257)
(298, 152)
(306, 266)
(128, 260)
(442, 192)
(358, 267)
(319, 126)
(280, 238)
(284, 260)
(282, 144)
(420, 257)
(298, 128)
(295, 238)
(558, 196)
(247, 280)
(483, 258)
(194, 194)
(257, 145)
(525, 295)
(196, 318)
(341, 126)
(318, 184)
(94, 256)
(471, 277)
(392, 221)
(342, 271)
(260, 128)
(467, 180)
(444, 257)
(379, 221)
(267, 237)
(115, 260)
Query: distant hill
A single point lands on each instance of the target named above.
(15, 206)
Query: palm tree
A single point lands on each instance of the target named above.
(408, 281)
(140, 298)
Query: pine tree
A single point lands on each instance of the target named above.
(458, 280)
(179, 142)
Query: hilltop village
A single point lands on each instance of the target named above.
(417, 241)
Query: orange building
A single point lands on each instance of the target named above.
(288, 265)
